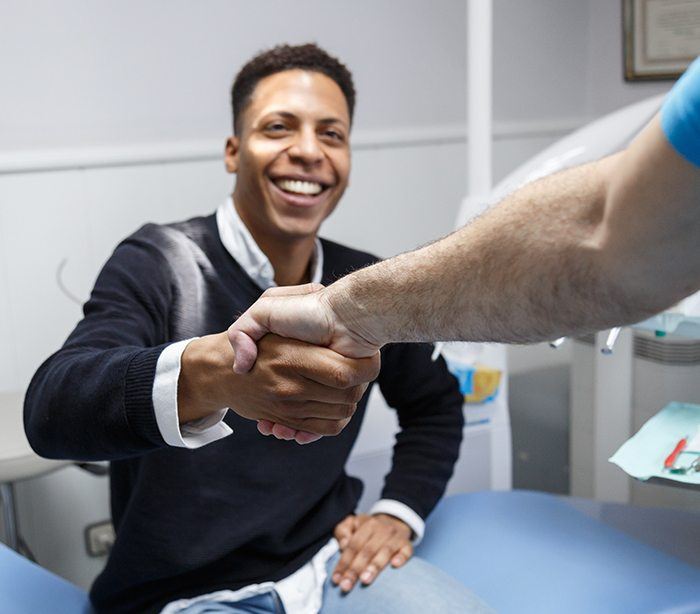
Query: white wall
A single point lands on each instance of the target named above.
(540, 59)
(81, 73)
(607, 90)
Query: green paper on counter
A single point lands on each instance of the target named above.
(644, 454)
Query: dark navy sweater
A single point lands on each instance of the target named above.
(243, 509)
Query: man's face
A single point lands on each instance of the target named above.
(292, 156)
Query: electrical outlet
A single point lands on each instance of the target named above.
(99, 538)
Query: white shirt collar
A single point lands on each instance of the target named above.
(242, 246)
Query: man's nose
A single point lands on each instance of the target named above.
(306, 148)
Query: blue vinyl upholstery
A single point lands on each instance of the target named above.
(522, 552)
(528, 552)
(26, 588)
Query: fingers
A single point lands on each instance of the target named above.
(305, 372)
(301, 391)
(277, 390)
(319, 426)
(283, 432)
(318, 429)
(265, 427)
(306, 416)
(344, 529)
(405, 552)
(331, 369)
(303, 437)
(302, 430)
(395, 550)
(370, 549)
(344, 573)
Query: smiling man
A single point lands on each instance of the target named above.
(210, 515)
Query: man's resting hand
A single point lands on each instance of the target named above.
(368, 544)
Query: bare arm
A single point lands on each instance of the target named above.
(604, 244)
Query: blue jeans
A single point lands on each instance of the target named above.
(416, 588)
(265, 603)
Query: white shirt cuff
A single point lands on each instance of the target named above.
(192, 434)
(402, 512)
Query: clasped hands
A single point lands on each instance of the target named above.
(326, 369)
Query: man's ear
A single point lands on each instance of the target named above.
(231, 154)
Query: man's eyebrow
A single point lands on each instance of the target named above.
(285, 114)
(326, 121)
(331, 120)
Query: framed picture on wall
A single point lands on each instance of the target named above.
(661, 37)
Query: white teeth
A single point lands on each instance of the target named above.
(300, 187)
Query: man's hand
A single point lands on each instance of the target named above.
(368, 544)
(293, 384)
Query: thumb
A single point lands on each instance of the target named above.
(244, 349)
(293, 290)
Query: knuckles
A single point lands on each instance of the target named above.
(342, 377)
(284, 390)
(355, 394)
(385, 551)
(349, 552)
(335, 427)
(349, 411)
(357, 373)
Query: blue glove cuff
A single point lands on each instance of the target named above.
(680, 114)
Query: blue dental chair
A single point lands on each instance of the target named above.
(26, 588)
(525, 552)
(521, 552)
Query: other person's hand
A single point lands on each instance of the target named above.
(299, 312)
(368, 544)
(293, 384)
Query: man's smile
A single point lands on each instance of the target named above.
(298, 191)
(296, 186)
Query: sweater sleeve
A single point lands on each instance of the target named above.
(429, 407)
(92, 400)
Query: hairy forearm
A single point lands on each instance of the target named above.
(499, 278)
(582, 250)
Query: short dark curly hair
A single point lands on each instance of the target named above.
(288, 57)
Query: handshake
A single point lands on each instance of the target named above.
(316, 364)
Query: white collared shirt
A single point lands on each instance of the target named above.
(302, 591)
